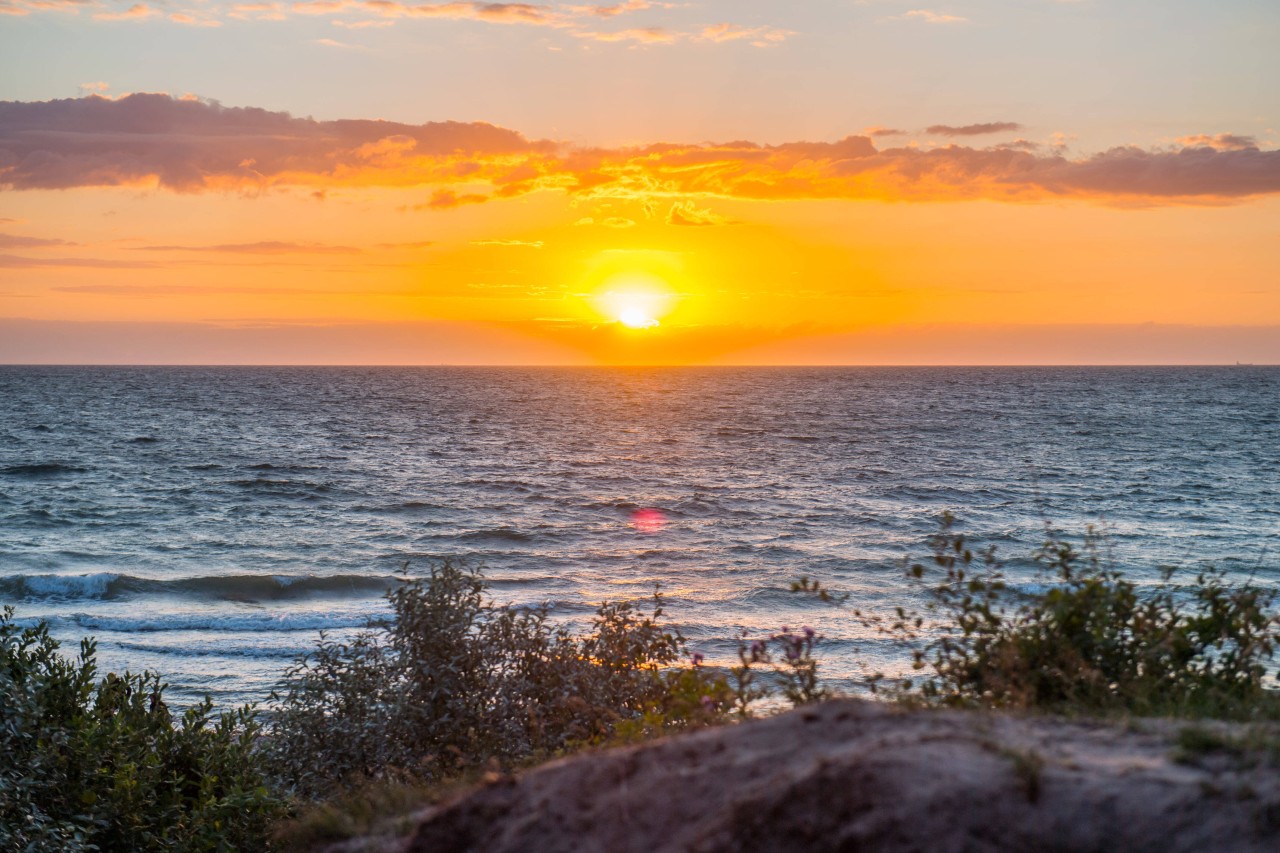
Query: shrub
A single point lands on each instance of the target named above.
(1092, 641)
(104, 765)
(453, 680)
(789, 666)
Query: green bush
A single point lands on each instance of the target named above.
(1093, 640)
(103, 765)
(452, 681)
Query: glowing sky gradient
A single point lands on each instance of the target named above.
(756, 181)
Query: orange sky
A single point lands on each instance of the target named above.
(149, 228)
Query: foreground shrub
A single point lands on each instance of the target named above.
(1092, 640)
(452, 681)
(103, 765)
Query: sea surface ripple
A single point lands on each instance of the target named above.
(206, 523)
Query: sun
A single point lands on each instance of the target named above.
(636, 317)
(635, 300)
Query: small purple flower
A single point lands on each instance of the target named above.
(786, 630)
(708, 703)
(697, 658)
(808, 632)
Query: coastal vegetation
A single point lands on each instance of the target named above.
(454, 687)
(103, 764)
(1084, 638)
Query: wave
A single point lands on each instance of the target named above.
(219, 648)
(505, 534)
(42, 469)
(222, 622)
(107, 585)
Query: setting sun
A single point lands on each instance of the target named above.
(636, 318)
(635, 299)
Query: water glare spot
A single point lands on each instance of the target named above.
(648, 520)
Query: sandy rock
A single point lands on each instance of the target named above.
(862, 776)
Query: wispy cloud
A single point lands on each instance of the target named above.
(338, 44)
(1219, 142)
(17, 241)
(757, 36)
(713, 33)
(928, 16)
(579, 20)
(973, 129)
(264, 247)
(641, 35)
(21, 262)
(446, 199)
(877, 132)
(686, 213)
(518, 244)
(135, 12)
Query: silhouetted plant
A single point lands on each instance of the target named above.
(104, 765)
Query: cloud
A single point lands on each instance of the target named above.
(187, 290)
(714, 33)
(757, 36)
(931, 17)
(192, 146)
(685, 213)
(618, 222)
(156, 140)
(19, 8)
(18, 262)
(619, 8)
(264, 11)
(193, 20)
(1220, 142)
(973, 129)
(16, 241)
(136, 12)
(265, 247)
(446, 199)
(640, 35)
(519, 244)
(495, 13)
(1020, 145)
(877, 132)
(576, 20)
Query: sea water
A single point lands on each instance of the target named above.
(207, 523)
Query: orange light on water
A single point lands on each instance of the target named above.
(648, 520)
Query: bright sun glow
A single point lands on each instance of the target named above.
(635, 317)
(636, 300)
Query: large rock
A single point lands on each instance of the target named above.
(854, 775)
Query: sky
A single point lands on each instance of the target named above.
(717, 182)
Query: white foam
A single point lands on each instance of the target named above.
(215, 621)
(69, 586)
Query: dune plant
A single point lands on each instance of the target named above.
(1089, 639)
(453, 680)
(102, 764)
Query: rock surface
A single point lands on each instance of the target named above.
(854, 775)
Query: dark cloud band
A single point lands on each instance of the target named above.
(191, 146)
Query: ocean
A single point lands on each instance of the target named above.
(207, 523)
